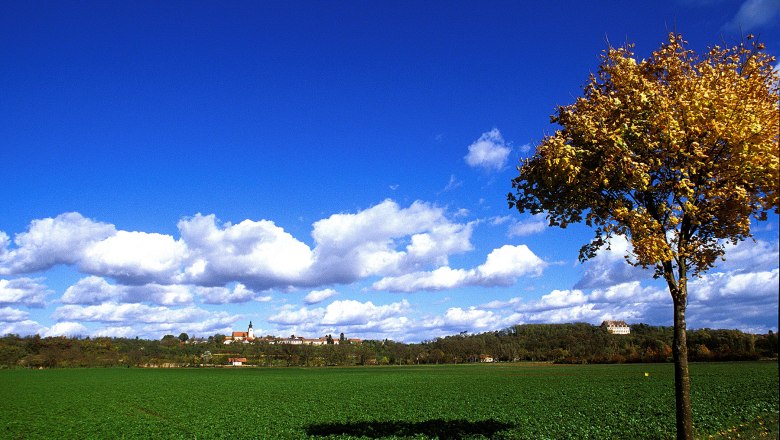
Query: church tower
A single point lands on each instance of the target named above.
(250, 332)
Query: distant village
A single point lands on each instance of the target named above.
(614, 327)
(612, 341)
(249, 336)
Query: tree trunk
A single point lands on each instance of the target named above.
(682, 381)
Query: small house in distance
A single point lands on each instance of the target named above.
(236, 362)
(617, 327)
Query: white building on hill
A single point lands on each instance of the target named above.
(617, 327)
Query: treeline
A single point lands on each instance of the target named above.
(585, 343)
(560, 343)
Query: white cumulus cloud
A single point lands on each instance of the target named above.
(347, 316)
(505, 264)
(351, 312)
(22, 328)
(127, 320)
(489, 152)
(438, 279)
(69, 329)
(256, 253)
(116, 332)
(51, 241)
(8, 314)
(5, 241)
(132, 312)
(370, 242)
(382, 240)
(533, 225)
(502, 267)
(318, 296)
(23, 291)
(289, 316)
(223, 295)
(459, 319)
(135, 257)
(755, 254)
(96, 290)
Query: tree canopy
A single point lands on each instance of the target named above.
(563, 343)
(675, 152)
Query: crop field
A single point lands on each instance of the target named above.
(445, 402)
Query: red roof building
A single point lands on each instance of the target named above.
(237, 362)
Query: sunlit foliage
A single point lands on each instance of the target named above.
(676, 152)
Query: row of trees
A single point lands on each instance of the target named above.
(561, 343)
(584, 343)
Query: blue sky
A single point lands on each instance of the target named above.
(321, 167)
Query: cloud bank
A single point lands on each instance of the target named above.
(384, 239)
(148, 284)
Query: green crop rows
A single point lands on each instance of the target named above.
(446, 402)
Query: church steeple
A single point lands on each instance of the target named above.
(250, 332)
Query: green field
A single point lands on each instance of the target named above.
(446, 402)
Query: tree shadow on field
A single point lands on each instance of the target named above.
(437, 428)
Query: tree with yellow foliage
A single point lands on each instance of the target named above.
(677, 153)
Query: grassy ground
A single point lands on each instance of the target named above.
(762, 427)
(421, 402)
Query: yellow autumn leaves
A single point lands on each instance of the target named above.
(676, 151)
